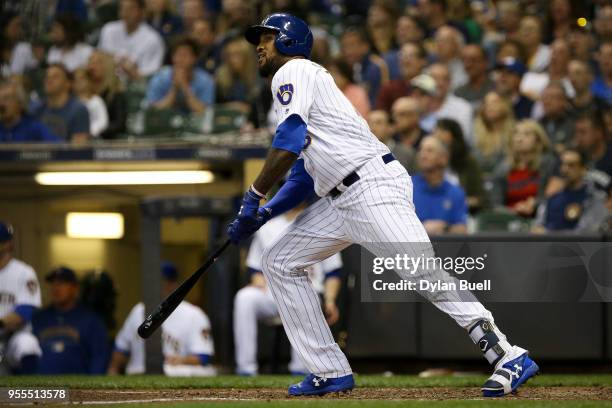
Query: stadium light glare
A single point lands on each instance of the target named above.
(94, 225)
(116, 178)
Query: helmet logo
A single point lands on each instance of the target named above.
(284, 94)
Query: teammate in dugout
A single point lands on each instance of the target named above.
(255, 302)
(19, 299)
(187, 343)
(365, 198)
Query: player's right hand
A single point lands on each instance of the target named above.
(250, 218)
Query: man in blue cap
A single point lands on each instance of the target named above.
(73, 339)
(19, 298)
(510, 72)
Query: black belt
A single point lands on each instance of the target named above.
(354, 177)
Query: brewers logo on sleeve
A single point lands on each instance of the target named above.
(284, 94)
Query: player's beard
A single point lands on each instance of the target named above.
(271, 66)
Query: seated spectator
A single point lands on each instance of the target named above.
(105, 83)
(161, 17)
(73, 339)
(520, 180)
(64, 115)
(439, 204)
(557, 119)
(236, 79)
(78, 8)
(511, 48)
(182, 86)
(203, 33)
(136, 46)
(20, 296)
(254, 302)
(579, 207)
(15, 124)
(590, 139)
(507, 84)
(16, 56)
(602, 86)
(380, 124)
(463, 169)
(448, 45)
(408, 135)
(369, 70)
(533, 83)
(380, 24)
(580, 76)
(343, 76)
(479, 84)
(68, 46)
(530, 35)
(447, 105)
(559, 18)
(412, 60)
(407, 30)
(493, 128)
(98, 116)
(193, 10)
(187, 344)
(321, 46)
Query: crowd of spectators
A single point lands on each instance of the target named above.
(507, 86)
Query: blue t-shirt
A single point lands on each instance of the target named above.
(601, 90)
(72, 342)
(202, 85)
(28, 129)
(66, 121)
(563, 210)
(445, 202)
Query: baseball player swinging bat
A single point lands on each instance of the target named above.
(167, 306)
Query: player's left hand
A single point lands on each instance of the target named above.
(332, 314)
(250, 218)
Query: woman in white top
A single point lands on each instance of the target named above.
(98, 115)
(16, 56)
(68, 48)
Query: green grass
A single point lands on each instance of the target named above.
(279, 381)
(316, 403)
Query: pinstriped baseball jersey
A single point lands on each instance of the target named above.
(339, 139)
(18, 286)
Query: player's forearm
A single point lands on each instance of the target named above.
(12, 322)
(277, 165)
(332, 288)
(118, 363)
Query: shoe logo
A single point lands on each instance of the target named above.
(518, 369)
(317, 381)
(483, 344)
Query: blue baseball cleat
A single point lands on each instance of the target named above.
(314, 385)
(510, 376)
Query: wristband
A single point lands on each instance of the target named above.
(262, 196)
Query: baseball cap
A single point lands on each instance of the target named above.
(169, 271)
(512, 65)
(62, 274)
(6, 231)
(425, 83)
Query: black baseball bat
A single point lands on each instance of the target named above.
(167, 306)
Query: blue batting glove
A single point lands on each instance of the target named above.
(248, 220)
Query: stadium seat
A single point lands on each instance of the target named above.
(227, 119)
(500, 220)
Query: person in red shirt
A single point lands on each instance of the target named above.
(520, 179)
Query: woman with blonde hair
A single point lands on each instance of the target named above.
(521, 178)
(493, 127)
(237, 83)
(102, 74)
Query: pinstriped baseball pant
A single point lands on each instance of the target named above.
(376, 212)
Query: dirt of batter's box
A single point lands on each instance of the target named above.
(433, 393)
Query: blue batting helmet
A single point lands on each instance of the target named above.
(293, 36)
